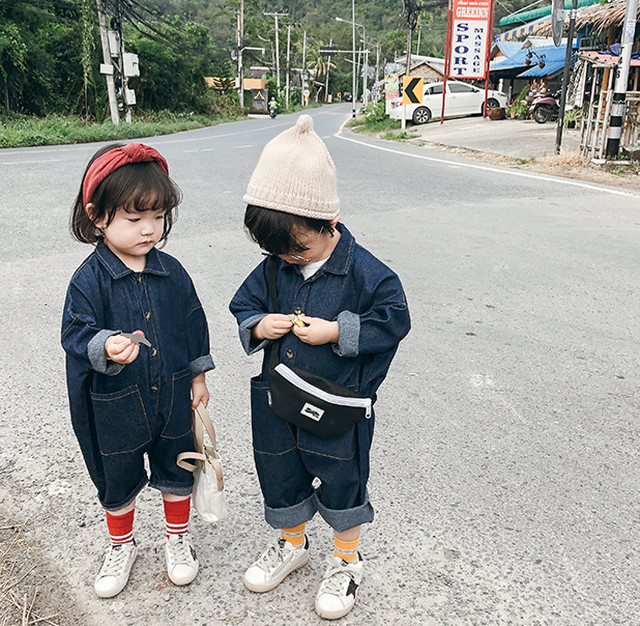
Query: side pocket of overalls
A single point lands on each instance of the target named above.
(271, 435)
(120, 420)
(178, 419)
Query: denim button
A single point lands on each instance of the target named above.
(140, 279)
(154, 388)
(289, 354)
(147, 315)
(154, 352)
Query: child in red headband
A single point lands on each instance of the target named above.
(137, 349)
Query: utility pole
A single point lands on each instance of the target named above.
(240, 43)
(353, 43)
(326, 87)
(565, 74)
(107, 67)
(622, 79)
(286, 89)
(124, 81)
(276, 16)
(365, 74)
(304, 66)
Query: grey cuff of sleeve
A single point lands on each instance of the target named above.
(250, 345)
(98, 357)
(201, 364)
(349, 340)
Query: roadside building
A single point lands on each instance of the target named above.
(590, 96)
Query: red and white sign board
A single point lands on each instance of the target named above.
(470, 35)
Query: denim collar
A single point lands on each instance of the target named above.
(118, 269)
(338, 262)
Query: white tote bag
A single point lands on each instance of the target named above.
(208, 486)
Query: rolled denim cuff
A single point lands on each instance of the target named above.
(290, 516)
(98, 356)
(250, 345)
(175, 489)
(201, 364)
(116, 506)
(349, 341)
(345, 519)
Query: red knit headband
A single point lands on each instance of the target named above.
(112, 160)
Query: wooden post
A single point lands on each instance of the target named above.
(106, 58)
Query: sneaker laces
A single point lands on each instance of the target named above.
(180, 552)
(271, 557)
(115, 562)
(334, 579)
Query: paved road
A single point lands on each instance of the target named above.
(505, 468)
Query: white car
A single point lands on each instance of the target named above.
(461, 99)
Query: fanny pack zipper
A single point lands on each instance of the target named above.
(293, 378)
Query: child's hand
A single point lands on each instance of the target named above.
(199, 391)
(318, 331)
(272, 326)
(121, 350)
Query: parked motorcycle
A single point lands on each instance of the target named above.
(545, 108)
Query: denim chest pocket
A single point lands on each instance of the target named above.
(178, 417)
(120, 420)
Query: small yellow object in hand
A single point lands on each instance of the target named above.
(297, 320)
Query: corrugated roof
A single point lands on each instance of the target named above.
(509, 48)
(526, 16)
(547, 70)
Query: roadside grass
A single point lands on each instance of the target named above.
(397, 135)
(366, 124)
(17, 131)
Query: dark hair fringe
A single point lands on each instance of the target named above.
(274, 230)
(133, 187)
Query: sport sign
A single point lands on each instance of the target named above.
(469, 38)
(412, 90)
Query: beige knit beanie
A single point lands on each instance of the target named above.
(295, 174)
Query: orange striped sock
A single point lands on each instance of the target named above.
(346, 550)
(294, 535)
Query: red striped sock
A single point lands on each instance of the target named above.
(120, 528)
(177, 516)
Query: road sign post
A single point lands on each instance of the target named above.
(412, 89)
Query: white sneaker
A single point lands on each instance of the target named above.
(114, 573)
(339, 588)
(275, 564)
(182, 562)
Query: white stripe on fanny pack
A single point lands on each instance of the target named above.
(294, 379)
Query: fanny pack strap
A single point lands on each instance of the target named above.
(272, 269)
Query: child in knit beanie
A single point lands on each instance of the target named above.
(342, 314)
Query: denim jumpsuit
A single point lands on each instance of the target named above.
(367, 300)
(120, 412)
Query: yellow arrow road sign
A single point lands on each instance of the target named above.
(413, 87)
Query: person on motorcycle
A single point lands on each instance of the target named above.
(273, 106)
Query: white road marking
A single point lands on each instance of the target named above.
(30, 162)
(485, 168)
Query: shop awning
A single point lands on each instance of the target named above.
(522, 31)
(526, 62)
(525, 16)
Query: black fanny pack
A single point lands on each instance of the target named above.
(319, 405)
